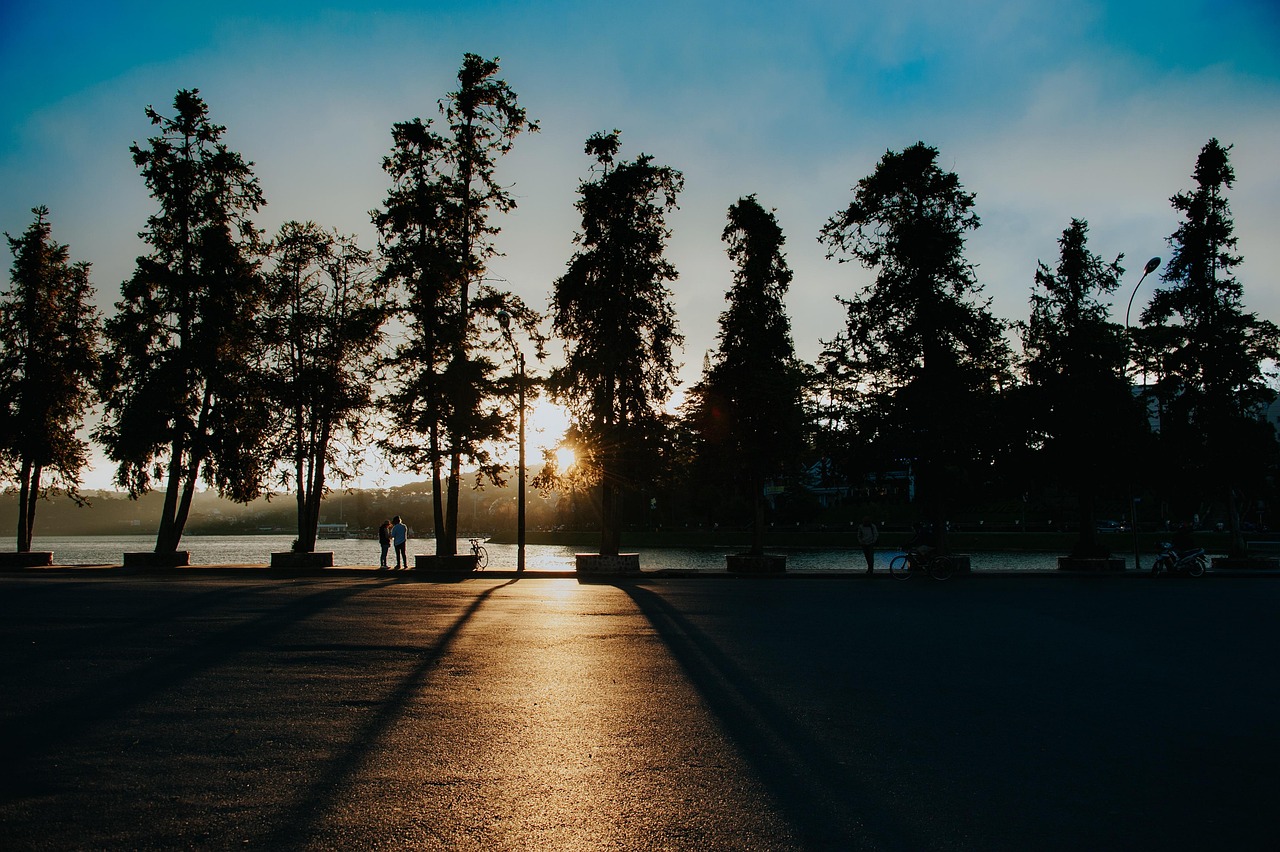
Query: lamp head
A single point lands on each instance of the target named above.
(1151, 266)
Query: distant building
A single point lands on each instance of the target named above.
(331, 531)
(1146, 393)
(1273, 415)
(832, 489)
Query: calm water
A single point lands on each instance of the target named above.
(228, 549)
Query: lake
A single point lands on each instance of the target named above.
(257, 549)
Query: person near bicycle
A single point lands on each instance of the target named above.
(400, 537)
(868, 535)
(921, 549)
(1183, 539)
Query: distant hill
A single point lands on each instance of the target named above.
(113, 513)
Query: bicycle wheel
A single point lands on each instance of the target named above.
(482, 557)
(941, 568)
(900, 567)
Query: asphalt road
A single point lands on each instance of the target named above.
(221, 712)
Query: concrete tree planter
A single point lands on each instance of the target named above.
(10, 561)
(433, 562)
(598, 564)
(1247, 563)
(290, 559)
(745, 563)
(1078, 563)
(151, 559)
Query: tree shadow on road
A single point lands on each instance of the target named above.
(28, 737)
(296, 829)
(826, 805)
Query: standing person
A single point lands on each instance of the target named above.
(384, 539)
(400, 535)
(868, 535)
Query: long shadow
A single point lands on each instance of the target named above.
(797, 769)
(296, 830)
(27, 736)
(187, 605)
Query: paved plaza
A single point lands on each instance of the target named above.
(229, 710)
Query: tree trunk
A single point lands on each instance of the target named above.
(184, 505)
(1087, 546)
(449, 545)
(757, 520)
(939, 522)
(33, 494)
(300, 497)
(437, 486)
(610, 531)
(309, 513)
(301, 475)
(177, 509)
(437, 506)
(168, 534)
(26, 505)
(930, 488)
(1236, 547)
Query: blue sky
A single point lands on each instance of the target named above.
(1045, 111)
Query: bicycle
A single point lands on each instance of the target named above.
(481, 555)
(936, 565)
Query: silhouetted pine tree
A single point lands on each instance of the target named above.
(49, 351)
(613, 309)
(436, 239)
(1211, 385)
(324, 324)
(1084, 418)
(924, 358)
(183, 390)
(747, 409)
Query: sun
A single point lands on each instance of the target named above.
(565, 457)
(546, 427)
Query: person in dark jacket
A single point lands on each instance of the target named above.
(384, 539)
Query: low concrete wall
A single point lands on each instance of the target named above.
(1248, 563)
(1074, 563)
(10, 561)
(743, 563)
(596, 563)
(151, 559)
(289, 559)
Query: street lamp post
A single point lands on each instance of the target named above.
(1133, 500)
(1150, 268)
(504, 319)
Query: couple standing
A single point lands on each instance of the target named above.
(394, 532)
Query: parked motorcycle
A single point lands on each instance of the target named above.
(1179, 562)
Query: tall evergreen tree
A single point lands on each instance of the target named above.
(49, 352)
(923, 353)
(1212, 387)
(1084, 417)
(325, 327)
(437, 239)
(748, 409)
(184, 400)
(613, 308)
(414, 246)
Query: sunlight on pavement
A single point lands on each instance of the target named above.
(577, 728)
